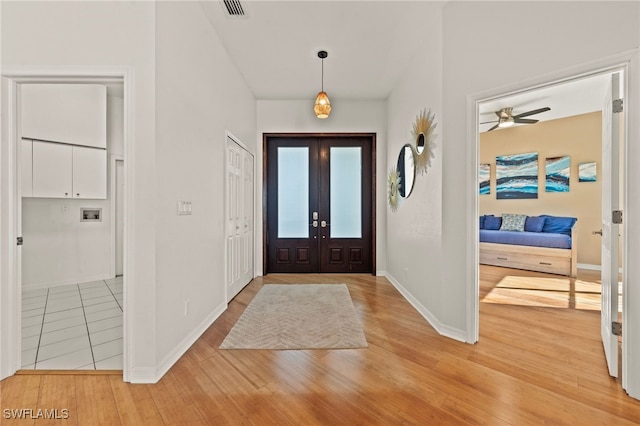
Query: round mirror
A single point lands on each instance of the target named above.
(406, 171)
(420, 143)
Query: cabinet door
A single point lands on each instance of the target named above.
(70, 113)
(26, 168)
(89, 173)
(52, 176)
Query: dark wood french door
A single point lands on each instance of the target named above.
(319, 203)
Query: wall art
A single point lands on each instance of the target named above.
(423, 133)
(557, 173)
(587, 172)
(517, 176)
(484, 178)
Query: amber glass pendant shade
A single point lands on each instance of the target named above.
(322, 107)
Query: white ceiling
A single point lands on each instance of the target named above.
(567, 99)
(370, 45)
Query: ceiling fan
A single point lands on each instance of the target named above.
(506, 117)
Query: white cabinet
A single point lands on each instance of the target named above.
(52, 170)
(89, 173)
(26, 162)
(67, 171)
(68, 113)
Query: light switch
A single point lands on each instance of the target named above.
(184, 207)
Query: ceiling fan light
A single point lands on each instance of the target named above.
(322, 106)
(506, 122)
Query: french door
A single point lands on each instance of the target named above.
(319, 192)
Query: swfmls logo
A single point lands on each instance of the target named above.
(31, 414)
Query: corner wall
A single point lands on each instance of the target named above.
(414, 231)
(199, 95)
(80, 36)
(475, 66)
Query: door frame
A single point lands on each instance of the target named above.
(10, 203)
(113, 162)
(267, 136)
(627, 61)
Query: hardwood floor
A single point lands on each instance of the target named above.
(533, 365)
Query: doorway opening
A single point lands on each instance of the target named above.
(576, 137)
(58, 311)
(319, 197)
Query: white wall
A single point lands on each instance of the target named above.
(60, 249)
(56, 36)
(414, 231)
(490, 45)
(296, 116)
(199, 94)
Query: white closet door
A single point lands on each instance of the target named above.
(238, 218)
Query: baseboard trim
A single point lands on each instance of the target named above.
(589, 267)
(593, 267)
(51, 284)
(142, 375)
(186, 343)
(442, 329)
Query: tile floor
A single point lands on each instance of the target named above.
(71, 327)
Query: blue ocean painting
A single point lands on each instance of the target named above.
(484, 178)
(517, 176)
(557, 172)
(587, 172)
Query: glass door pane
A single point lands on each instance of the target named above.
(293, 192)
(345, 194)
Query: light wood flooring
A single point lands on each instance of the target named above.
(533, 365)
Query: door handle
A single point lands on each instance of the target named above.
(314, 223)
(597, 232)
(323, 224)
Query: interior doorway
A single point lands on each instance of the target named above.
(572, 293)
(319, 212)
(81, 209)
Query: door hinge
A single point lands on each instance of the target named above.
(616, 217)
(617, 105)
(616, 328)
(19, 241)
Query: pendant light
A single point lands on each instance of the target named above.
(322, 107)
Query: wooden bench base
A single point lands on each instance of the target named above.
(541, 259)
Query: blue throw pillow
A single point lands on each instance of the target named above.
(557, 224)
(534, 224)
(482, 219)
(492, 223)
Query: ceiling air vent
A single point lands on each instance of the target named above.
(234, 8)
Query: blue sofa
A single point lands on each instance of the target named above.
(544, 243)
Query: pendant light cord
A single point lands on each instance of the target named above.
(322, 84)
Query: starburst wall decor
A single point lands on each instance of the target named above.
(392, 188)
(424, 136)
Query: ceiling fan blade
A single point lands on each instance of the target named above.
(535, 111)
(493, 128)
(487, 122)
(525, 120)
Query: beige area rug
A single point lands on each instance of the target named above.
(298, 316)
